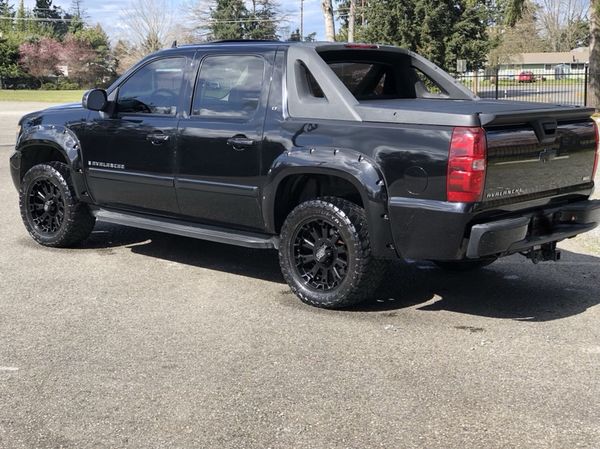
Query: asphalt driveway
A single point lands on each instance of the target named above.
(142, 340)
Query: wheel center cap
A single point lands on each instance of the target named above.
(322, 253)
(47, 205)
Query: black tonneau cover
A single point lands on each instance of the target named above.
(445, 112)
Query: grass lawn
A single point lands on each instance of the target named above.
(50, 96)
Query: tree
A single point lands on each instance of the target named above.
(227, 19)
(442, 31)
(21, 15)
(7, 13)
(327, 8)
(391, 22)
(77, 13)
(9, 59)
(522, 37)
(594, 74)
(560, 22)
(150, 24)
(103, 64)
(56, 23)
(262, 20)
(295, 36)
(351, 20)
(125, 56)
(80, 59)
(40, 57)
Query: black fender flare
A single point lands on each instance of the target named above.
(347, 164)
(59, 138)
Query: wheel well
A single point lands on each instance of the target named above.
(39, 154)
(296, 189)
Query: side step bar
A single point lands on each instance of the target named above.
(187, 229)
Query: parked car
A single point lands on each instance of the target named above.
(341, 156)
(526, 77)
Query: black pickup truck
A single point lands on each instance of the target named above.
(338, 155)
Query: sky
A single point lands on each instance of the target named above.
(108, 13)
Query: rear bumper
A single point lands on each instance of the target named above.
(517, 234)
(451, 231)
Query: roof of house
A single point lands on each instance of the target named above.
(581, 54)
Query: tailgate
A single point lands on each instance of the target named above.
(531, 156)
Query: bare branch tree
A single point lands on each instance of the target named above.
(560, 20)
(150, 24)
(198, 19)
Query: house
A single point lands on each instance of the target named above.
(569, 63)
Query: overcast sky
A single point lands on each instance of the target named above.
(109, 12)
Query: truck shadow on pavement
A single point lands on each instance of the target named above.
(512, 288)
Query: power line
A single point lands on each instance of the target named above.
(39, 19)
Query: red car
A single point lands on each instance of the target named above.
(526, 77)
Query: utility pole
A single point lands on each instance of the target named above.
(301, 20)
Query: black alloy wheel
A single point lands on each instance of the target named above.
(46, 206)
(50, 210)
(325, 253)
(320, 254)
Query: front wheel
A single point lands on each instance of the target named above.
(49, 208)
(325, 253)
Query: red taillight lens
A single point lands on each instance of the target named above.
(597, 150)
(466, 165)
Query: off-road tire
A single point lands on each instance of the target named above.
(76, 222)
(363, 273)
(465, 265)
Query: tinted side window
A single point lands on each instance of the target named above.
(153, 89)
(229, 86)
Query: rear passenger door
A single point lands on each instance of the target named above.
(220, 140)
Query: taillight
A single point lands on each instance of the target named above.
(466, 165)
(597, 150)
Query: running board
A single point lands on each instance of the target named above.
(187, 229)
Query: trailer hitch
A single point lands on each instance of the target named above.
(542, 253)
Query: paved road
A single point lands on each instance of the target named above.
(142, 340)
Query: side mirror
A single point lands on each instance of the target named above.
(95, 100)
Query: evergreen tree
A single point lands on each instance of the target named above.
(152, 43)
(54, 24)
(227, 19)
(20, 22)
(262, 23)
(6, 10)
(295, 36)
(442, 31)
(77, 14)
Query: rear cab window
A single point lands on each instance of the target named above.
(381, 75)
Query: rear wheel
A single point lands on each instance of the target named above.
(325, 253)
(465, 265)
(49, 208)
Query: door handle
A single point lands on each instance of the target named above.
(240, 143)
(157, 138)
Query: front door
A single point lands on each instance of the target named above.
(129, 157)
(220, 141)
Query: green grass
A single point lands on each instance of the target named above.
(47, 96)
